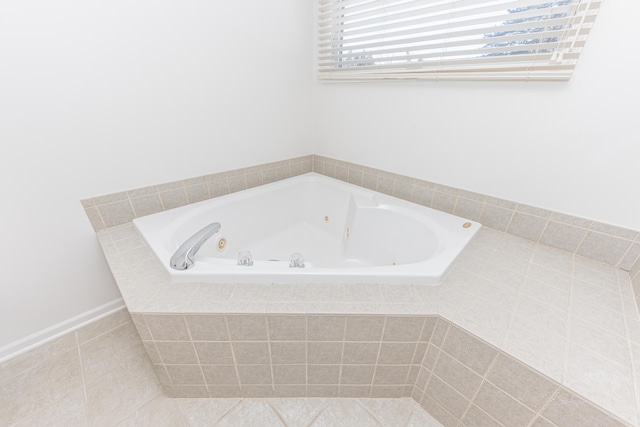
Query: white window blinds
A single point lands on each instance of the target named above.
(463, 39)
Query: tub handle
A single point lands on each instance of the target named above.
(183, 258)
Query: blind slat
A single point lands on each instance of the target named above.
(421, 38)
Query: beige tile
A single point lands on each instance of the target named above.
(220, 374)
(251, 353)
(403, 328)
(185, 374)
(324, 352)
(563, 236)
(298, 412)
(204, 412)
(173, 198)
(120, 344)
(36, 389)
(287, 328)
(323, 374)
(289, 391)
(356, 374)
(122, 392)
(443, 202)
(32, 358)
(141, 326)
(353, 391)
(287, 292)
(103, 325)
(364, 328)
(176, 352)
(391, 374)
(496, 217)
(438, 412)
(116, 213)
(247, 327)
(218, 187)
(251, 413)
(527, 226)
(325, 328)
(521, 382)
(470, 209)
(469, 350)
(322, 390)
(254, 374)
(396, 353)
(610, 346)
(288, 352)
(388, 391)
(440, 332)
(205, 327)
(603, 247)
(258, 391)
(390, 412)
(541, 422)
(94, 218)
(447, 397)
(167, 327)
(607, 384)
(146, 205)
(420, 418)
(152, 351)
(214, 353)
(70, 411)
(476, 417)
(289, 374)
(339, 410)
(360, 353)
(606, 299)
(160, 412)
(457, 375)
(196, 193)
(163, 375)
(502, 407)
(224, 391)
(568, 410)
(421, 195)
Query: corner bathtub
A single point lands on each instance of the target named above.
(345, 233)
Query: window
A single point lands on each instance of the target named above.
(454, 39)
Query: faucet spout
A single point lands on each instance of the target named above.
(183, 258)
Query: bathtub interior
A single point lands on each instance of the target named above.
(331, 229)
(339, 229)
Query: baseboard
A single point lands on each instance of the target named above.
(51, 333)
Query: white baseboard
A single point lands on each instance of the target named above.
(49, 334)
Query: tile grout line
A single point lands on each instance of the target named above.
(375, 368)
(195, 350)
(233, 355)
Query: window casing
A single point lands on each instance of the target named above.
(454, 39)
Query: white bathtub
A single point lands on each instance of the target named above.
(346, 234)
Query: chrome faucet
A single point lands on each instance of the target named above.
(183, 258)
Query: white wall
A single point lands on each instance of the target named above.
(99, 97)
(499, 138)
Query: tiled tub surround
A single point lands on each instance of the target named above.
(568, 317)
(615, 246)
(101, 376)
(528, 285)
(457, 378)
(119, 208)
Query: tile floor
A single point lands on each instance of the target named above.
(100, 376)
(316, 412)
